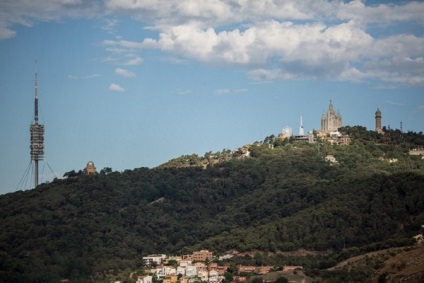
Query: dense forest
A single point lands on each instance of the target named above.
(284, 196)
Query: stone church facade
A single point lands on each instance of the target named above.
(331, 121)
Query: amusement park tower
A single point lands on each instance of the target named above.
(37, 137)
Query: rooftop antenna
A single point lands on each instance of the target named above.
(37, 134)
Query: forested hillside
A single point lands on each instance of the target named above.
(281, 198)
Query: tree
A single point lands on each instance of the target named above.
(71, 174)
(281, 280)
(106, 171)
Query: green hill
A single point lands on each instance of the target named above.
(284, 197)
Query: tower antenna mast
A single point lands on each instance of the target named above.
(37, 134)
(301, 132)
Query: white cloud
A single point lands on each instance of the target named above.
(381, 14)
(6, 32)
(183, 91)
(116, 87)
(134, 61)
(223, 91)
(420, 107)
(316, 49)
(291, 39)
(270, 75)
(72, 77)
(331, 41)
(110, 25)
(92, 76)
(25, 13)
(124, 73)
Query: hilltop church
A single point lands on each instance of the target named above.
(330, 121)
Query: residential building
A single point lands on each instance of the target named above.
(170, 279)
(144, 279)
(200, 265)
(213, 276)
(153, 259)
(181, 270)
(202, 255)
(191, 271)
(203, 275)
(212, 266)
(185, 263)
(163, 271)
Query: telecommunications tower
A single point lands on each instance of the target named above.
(301, 132)
(37, 136)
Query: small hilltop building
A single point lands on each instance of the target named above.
(90, 169)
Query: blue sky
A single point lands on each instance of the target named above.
(131, 84)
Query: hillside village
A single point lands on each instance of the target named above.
(196, 267)
(283, 206)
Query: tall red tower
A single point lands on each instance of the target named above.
(37, 136)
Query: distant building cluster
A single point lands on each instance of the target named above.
(331, 122)
(193, 268)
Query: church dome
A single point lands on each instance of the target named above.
(90, 168)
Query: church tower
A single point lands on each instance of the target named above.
(330, 121)
(378, 121)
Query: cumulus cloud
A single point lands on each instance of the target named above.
(26, 13)
(124, 73)
(276, 40)
(116, 87)
(312, 49)
(270, 39)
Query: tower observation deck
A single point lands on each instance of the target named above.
(37, 137)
